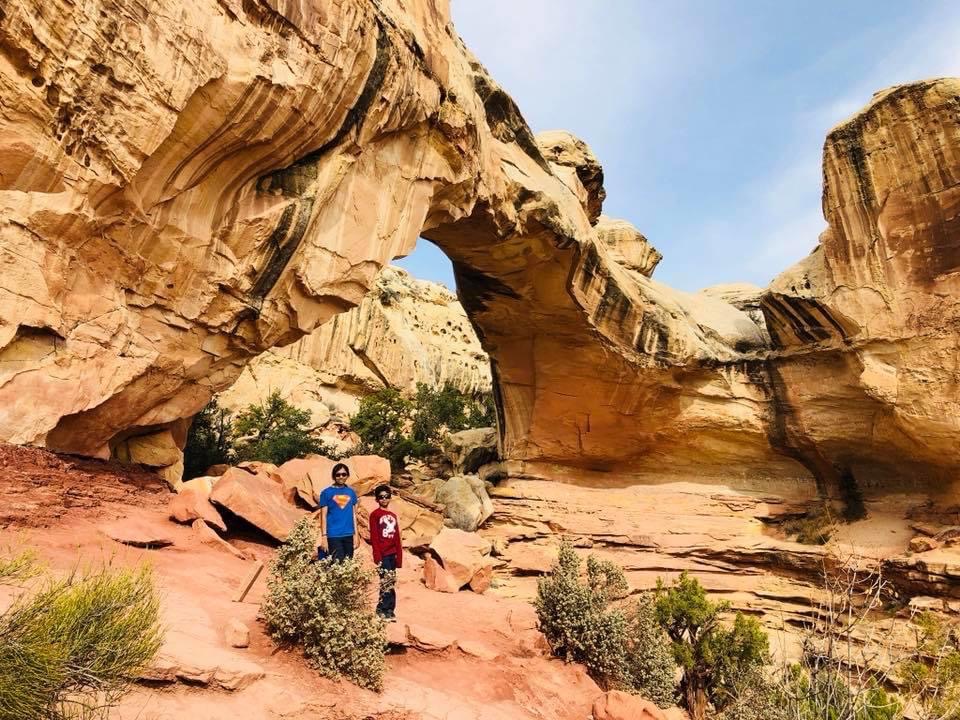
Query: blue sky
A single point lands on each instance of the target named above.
(707, 115)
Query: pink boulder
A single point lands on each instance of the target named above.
(617, 705)
(436, 578)
(192, 502)
(257, 499)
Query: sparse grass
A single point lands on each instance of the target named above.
(814, 528)
(71, 647)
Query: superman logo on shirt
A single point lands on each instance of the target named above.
(341, 500)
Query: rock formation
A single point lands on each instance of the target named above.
(184, 190)
(404, 332)
(866, 329)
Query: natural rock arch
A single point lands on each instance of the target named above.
(183, 190)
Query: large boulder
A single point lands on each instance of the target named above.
(192, 502)
(419, 525)
(462, 554)
(435, 577)
(259, 500)
(467, 450)
(466, 502)
(158, 450)
(307, 477)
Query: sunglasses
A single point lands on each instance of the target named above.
(340, 475)
(383, 497)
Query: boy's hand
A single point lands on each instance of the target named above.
(323, 545)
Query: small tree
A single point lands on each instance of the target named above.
(72, 648)
(439, 411)
(274, 431)
(382, 422)
(711, 655)
(324, 607)
(209, 440)
(396, 427)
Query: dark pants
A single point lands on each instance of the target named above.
(341, 548)
(388, 586)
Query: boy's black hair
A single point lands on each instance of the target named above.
(338, 467)
(382, 488)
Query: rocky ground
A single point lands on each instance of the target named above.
(453, 654)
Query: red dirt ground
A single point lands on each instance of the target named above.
(57, 506)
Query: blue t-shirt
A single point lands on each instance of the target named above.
(339, 502)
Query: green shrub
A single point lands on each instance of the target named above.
(575, 619)
(324, 607)
(712, 656)
(439, 411)
(72, 647)
(825, 693)
(650, 667)
(382, 423)
(209, 440)
(397, 427)
(620, 648)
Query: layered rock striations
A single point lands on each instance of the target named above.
(184, 189)
(866, 329)
(404, 332)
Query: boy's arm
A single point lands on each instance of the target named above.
(322, 537)
(399, 544)
(374, 539)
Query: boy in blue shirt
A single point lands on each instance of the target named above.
(336, 516)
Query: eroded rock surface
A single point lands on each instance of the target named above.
(866, 329)
(404, 332)
(182, 190)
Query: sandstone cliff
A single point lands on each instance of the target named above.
(866, 329)
(183, 190)
(404, 332)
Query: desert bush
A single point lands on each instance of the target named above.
(575, 619)
(848, 647)
(72, 647)
(931, 674)
(621, 648)
(209, 440)
(650, 667)
(324, 607)
(398, 427)
(713, 657)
